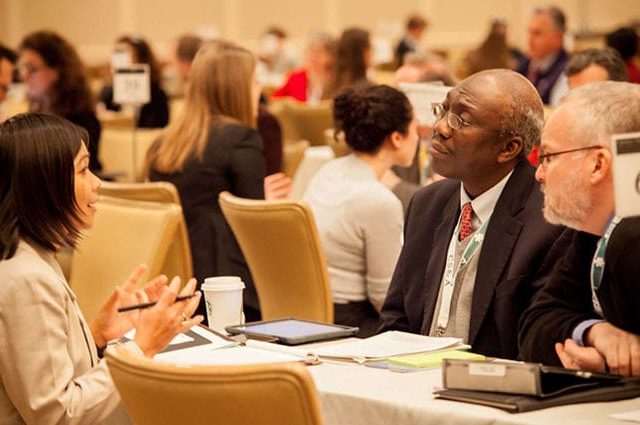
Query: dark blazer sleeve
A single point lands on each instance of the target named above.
(247, 166)
(563, 302)
(271, 134)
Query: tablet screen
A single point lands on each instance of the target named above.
(291, 328)
(294, 331)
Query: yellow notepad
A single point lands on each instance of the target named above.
(433, 359)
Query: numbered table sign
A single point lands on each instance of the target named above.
(421, 96)
(132, 85)
(626, 173)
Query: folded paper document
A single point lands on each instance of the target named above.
(423, 360)
(385, 345)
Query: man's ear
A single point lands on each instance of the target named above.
(510, 149)
(601, 166)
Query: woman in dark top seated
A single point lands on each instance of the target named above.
(212, 147)
(154, 114)
(57, 84)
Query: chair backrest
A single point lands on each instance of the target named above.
(280, 242)
(178, 260)
(292, 154)
(302, 121)
(125, 233)
(313, 158)
(157, 393)
(117, 151)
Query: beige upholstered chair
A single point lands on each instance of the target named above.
(280, 242)
(301, 121)
(292, 154)
(117, 152)
(125, 233)
(313, 159)
(178, 261)
(268, 394)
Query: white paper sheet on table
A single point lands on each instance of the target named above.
(221, 351)
(178, 339)
(237, 355)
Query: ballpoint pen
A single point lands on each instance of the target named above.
(151, 304)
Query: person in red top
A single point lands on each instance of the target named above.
(625, 40)
(308, 83)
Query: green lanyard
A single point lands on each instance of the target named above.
(450, 272)
(597, 264)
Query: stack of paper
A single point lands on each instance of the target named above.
(387, 344)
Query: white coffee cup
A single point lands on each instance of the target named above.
(223, 300)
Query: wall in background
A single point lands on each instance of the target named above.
(455, 24)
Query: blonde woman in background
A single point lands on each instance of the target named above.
(212, 147)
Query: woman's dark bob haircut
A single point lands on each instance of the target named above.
(37, 195)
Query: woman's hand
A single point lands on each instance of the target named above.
(277, 186)
(158, 325)
(108, 323)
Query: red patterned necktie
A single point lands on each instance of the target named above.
(465, 221)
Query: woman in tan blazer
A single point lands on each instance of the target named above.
(50, 371)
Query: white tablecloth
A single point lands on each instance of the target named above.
(351, 394)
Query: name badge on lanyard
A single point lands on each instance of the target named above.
(450, 272)
(597, 264)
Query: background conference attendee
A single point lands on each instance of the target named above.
(353, 59)
(589, 66)
(410, 42)
(547, 58)
(592, 65)
(474, 242)
(626, 41)
(154, 114)
(494, 52)
(186, 48)
(309, 83)
(276, 56)
(214, 146)
(57, 84)
(49, 367)
(589, 305)
(359, 219)
(7, 61)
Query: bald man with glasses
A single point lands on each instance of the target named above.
(587, 315)
(475, 242)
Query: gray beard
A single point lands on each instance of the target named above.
(570, 208)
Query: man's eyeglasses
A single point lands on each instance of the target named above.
(545, 158)
(453, 120)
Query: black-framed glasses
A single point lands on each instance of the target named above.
(545, 158)
(453, 120)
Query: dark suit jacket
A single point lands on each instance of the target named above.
(548, 79)
(516, 242)
(233, 161)
(565, 300)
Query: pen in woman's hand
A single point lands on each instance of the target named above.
(151, 304)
